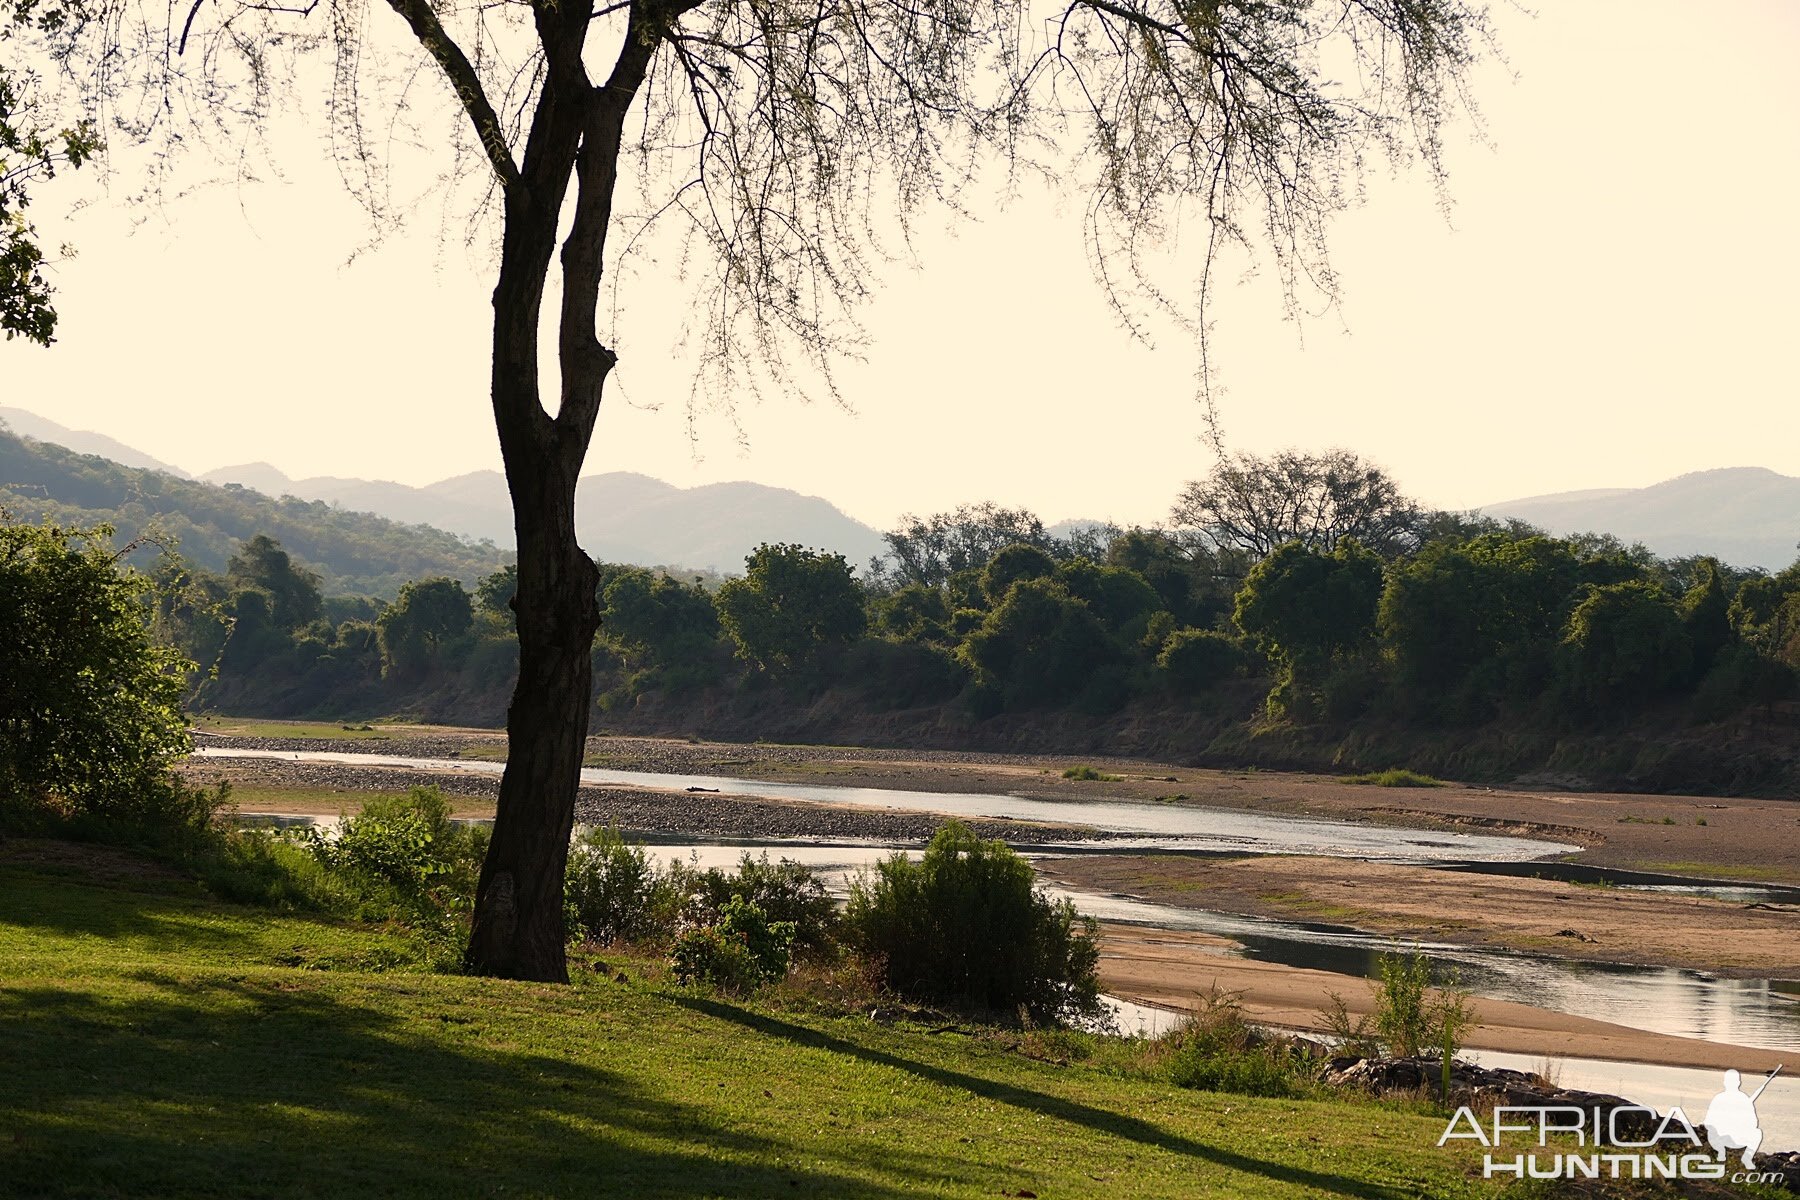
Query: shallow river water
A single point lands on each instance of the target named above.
(1152, 825)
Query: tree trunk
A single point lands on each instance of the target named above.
(518, 925)
(518, 928)
(518, 931)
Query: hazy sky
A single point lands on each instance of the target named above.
(1611, 301)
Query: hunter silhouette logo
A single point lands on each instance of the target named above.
(1731, 1118)
(1621, 1141)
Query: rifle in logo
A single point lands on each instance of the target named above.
(1730, 1120)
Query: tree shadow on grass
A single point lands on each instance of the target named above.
(271, 1086)
(1095, 1120)
(127, 920)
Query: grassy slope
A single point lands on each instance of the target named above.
(158, 1044)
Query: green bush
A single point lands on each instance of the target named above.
(1410, 1019)
(1217, 1050)
(612, 890)
(90, 704)
(894, 674)
(1740, 677)
(707, 954)
(739, 952)
(1193, 661)
(406, 843)
(403, 859)
(257, 866)
(965, 926)
(785, 891)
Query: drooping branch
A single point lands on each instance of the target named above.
(465, 82)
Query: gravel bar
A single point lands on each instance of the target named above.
(638, 810)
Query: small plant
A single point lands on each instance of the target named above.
(1411, 1017)
(707, 954)
(1088, 774)
(1394, 777)
(1217, 1050)
(1353, 1033)
(404, 844)
(402, 858)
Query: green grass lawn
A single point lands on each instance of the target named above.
(155, 1043)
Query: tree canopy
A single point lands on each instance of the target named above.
(1255, 504)
(32, 147)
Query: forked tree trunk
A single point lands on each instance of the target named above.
(518, 924)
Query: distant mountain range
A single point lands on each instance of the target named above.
(353, 553)
(1745, 516)
(27, 424)
(621, 516)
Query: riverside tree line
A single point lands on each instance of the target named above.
(1307, 580)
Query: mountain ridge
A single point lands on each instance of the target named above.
(1746, 516)
(620, 516)
(83, 441)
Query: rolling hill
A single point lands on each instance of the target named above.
(459, 526)
(82, 441)
(352, 552)
(1746, 516)
(621, 516)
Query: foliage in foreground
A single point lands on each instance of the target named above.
(90, 706)
(1412, 1017)
(965, 926)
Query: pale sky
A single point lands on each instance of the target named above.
(1612, 301)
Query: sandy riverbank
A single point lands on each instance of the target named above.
(1607, 924)
(1175, 970)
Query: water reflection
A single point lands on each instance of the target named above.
(1155, 824)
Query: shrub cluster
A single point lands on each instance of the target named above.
(965, 926)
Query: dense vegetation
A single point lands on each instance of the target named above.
(1272, 630)
(353, 553)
